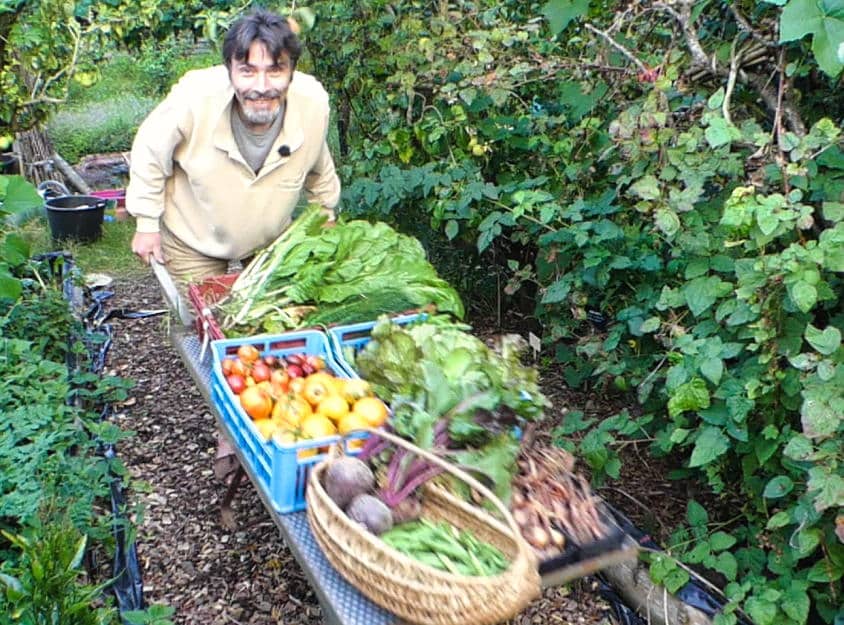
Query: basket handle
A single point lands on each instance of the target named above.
(460, 474)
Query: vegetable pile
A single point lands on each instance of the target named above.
(452, 394)
(296, 398)
(554, 506)
(311, 275)
(444, 547)
(351, 484)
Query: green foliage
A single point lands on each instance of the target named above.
(824, 21)
(708, 241)
(96, 128)
(43, 585)
(154, 615)
(53, 481)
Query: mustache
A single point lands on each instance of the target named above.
(272, 94)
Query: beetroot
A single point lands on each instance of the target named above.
(370, 512)
(346, 478)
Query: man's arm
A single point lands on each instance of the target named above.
(151, 164)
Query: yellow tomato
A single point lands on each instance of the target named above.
(334, 407)
(318, 426)
(352, 422)
(317, 387)
(354, 389)
(290, 411)
(266, 428)
(372, 409)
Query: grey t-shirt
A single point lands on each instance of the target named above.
(255, 146)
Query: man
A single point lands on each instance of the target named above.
(218, 167)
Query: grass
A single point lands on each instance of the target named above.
(111, 254)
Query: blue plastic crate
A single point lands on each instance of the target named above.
(348, 340)
(281, 473)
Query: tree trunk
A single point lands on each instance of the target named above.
(36, 155)
(653, 602)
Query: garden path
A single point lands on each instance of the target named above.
(213, 576)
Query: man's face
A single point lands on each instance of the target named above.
(260, 85)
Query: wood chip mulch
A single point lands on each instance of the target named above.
(210, 575)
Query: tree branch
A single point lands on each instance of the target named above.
(642, 67)
(702, 61)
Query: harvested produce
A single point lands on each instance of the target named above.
(444, 547)
(370, 512)
(352, 272)
(346, 478)
(451, 393)
(296, 398)
(553, 505)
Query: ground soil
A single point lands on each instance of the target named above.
(213, 576)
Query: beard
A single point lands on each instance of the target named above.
(259, 116)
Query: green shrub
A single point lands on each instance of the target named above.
(107, 126)
(104, 116)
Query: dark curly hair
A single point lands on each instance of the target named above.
(261, 25)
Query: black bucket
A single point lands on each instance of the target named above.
(76, 217)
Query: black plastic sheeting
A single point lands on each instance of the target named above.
(692, 594)
(126, 572)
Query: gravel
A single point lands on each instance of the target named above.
(211, 575)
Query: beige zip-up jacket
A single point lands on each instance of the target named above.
(187, 172)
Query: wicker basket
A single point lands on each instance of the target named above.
(414, 591)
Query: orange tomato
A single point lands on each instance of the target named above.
(248, 353)
(372, 409)
(256, 402)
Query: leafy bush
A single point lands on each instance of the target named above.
(53, 481)
(678, 242)
(104, 116)
(108, 126)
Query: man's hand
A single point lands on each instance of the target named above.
(146, 244)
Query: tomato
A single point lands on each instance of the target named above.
(261, 372)
(297, 385)
(291, 411)
(236, 383)
(317, 363)
(317, 387)
(240, 368)
(227, 365)
(372, 409)
(256, 402)
(334, 407)
(248, 354)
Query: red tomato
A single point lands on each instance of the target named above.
(261, 372)
(236, 382)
